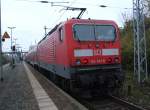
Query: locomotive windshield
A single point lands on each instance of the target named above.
(84, 32)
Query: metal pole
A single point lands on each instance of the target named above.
(138, 45)
(11, 28)
(11, 38)
(11, 48)
(140, 58)
(146, 74)
(134, 39)
(45, 28)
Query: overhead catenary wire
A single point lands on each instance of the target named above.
(71, 3)
(89, 4)
(64, 12)
(44, 1)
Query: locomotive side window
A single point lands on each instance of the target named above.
(85, 32)
(61, 34)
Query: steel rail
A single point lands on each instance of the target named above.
(126, 103)
(109, 103)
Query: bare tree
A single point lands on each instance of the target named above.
(147, 7)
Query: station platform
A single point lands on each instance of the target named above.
(23, 89)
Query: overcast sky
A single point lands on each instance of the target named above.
(29, 17)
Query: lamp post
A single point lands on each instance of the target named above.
(11, 28)
(45, 28)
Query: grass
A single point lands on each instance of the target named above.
(139, 94)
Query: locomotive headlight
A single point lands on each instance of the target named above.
(116, 60)
(78, 62)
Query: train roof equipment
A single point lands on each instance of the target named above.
(77, 9)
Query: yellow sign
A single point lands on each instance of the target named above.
(6, 35)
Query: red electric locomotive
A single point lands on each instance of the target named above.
(83, 55)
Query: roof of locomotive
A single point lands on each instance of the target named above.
(74, 20)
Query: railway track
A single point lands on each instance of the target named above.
(109, 103)
(106, 103)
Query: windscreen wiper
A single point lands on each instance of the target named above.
(75, 35)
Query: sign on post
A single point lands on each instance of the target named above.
(6, 35)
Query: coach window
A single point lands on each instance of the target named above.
(61, 33)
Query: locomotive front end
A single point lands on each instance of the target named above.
(95, 55)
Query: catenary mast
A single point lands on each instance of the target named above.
(140, 59)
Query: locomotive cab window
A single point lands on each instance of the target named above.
(87, 32)
(84, 32)
(61, 34)
(105, 33)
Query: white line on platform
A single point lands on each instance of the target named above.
(44, 101)
(71, 99)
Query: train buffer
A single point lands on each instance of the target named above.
(23, 89)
